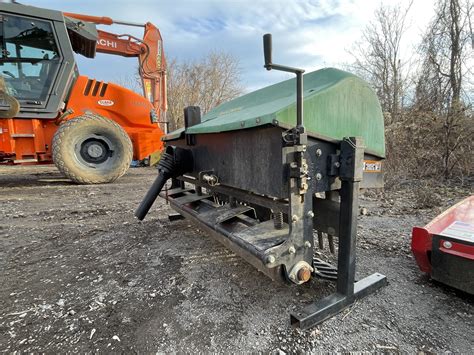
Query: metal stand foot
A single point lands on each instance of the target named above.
(321, 310)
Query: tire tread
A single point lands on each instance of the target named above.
(67, 127)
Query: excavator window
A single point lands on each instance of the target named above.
(29, 59)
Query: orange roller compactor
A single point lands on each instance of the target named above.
(90, 129)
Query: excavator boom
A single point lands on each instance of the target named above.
(148, 50)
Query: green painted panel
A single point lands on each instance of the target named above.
(337, 104)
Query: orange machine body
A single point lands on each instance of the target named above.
(26, 141)
(29, 140)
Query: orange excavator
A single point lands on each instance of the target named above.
(91, 130)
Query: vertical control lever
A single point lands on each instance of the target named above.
(267, 53)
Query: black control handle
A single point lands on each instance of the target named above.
(267, 50)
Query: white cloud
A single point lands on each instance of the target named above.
(307, 33)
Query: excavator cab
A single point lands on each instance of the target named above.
(37, 58)
(31, 59)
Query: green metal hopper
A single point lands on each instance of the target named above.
(337, 104)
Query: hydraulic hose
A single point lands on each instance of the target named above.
(174, 162)
(151, 196)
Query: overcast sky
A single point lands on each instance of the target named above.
(311, 34)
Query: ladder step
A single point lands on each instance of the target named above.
(23, 135)
(20, 161)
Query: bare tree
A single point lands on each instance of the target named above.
(206, 83)
(378, 59)
(440, 85)
(131, 81)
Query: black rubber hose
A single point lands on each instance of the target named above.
(151, 195)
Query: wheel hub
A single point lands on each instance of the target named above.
(95, 150)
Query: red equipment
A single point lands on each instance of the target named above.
(444, 248)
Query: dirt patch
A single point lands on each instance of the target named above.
(80, 274)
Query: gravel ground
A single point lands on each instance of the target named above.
(80, 274)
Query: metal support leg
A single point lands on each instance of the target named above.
(347, 237)
(199, 190)
(175, 183)
(346, 290)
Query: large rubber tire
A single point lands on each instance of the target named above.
(91, 149)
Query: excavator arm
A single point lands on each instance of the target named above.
(148, 50)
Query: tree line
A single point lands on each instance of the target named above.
(427, 98)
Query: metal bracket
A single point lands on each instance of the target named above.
(295, 136)
(208, 177)
(333, 165)
(352, 159)
(296, 252)
(347, 290)
(192, 117)
(175, 217)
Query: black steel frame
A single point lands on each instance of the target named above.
(222, 223)
(347, 290)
